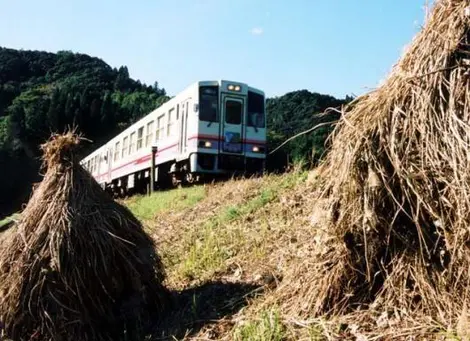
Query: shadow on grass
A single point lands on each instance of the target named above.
(194, 308)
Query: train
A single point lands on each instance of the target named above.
(211, 128)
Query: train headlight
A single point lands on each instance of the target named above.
(233, 87)
(205, 144)
(255, 149)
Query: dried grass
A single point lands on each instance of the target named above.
(396, 188)
(79, 266)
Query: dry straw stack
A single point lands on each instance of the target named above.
(396, 185)
(80, 266)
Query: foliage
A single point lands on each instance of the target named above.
(293, 113)
(42, 92)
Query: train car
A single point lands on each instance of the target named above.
(212, 127)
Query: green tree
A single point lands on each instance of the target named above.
(107, 111)
(41, 92)
(54, 111)
(122, 79)
(293, 113)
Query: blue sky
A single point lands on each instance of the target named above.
(337, 47)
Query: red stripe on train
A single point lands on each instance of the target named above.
(217, 138)
(138, 161)
(145, 158)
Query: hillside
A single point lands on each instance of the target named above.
(238, 255)
(42, 92)
(293, 113)
(226, 247)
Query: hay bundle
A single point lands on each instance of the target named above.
(80, 266)
(397, 187)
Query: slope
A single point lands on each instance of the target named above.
(226, 247)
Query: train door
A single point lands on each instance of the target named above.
(232, 124)
(183, 142)
(109, 162)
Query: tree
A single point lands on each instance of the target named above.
(69, 109)
(122, 79)
(54, 110)
(293, 113)
(107, 111)
(42, 92)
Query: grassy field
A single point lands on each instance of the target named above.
(229, 245)
(231, 251)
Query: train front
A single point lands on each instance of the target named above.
(231, 128)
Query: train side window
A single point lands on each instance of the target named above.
(117, 148)
(160, 128)
(140, 132)
(148, 137)
(132, 143)
(125, 146)
(169, 129)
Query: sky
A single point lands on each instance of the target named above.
(336, 47)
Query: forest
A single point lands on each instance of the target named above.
(43, 92)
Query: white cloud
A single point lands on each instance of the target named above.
(257, 31)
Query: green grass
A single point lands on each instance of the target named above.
(7, 220)
(145, 207)
(268, 327)
(223, 235)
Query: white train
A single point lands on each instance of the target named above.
(212, 127)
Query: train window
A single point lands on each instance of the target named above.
(208, 103)
(132, 144)
(117, 148)
(256, 117)
(125, 143)
(233, 112)
(148, 137)
(160, 128)
(140, 132)
(169, 129)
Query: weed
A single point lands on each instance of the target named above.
(146, 207)
(268, 327)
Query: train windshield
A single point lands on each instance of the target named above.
(209, 103)
(256, 117)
